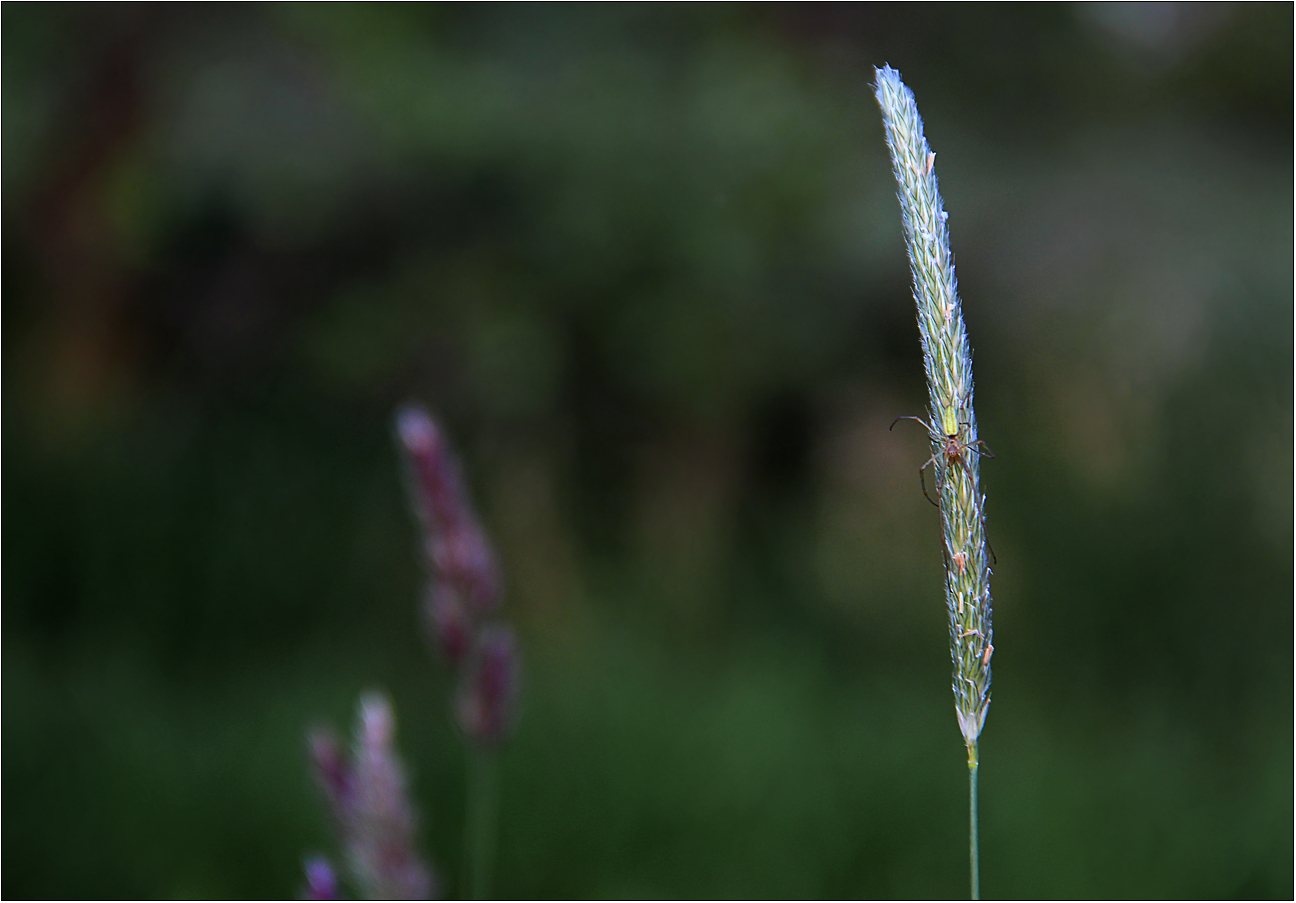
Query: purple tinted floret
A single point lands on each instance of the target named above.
(455, 545)
(332, 771)
(463, 556)
(321, 881)
(487, 696)
(438, 493)
(450, 625)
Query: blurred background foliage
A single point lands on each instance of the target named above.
(646, 264)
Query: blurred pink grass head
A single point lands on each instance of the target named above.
(465, 585)
(368, 797)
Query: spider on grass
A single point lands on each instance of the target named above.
(952, 450)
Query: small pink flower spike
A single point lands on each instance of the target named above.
(378, 830)
(371, 811)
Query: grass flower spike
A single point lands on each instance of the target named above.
(461, 605)
(951, 422)
(371, 811)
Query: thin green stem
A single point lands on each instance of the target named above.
(479, 821)
(973, 851)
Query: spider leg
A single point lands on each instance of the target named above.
(908, 417)
(987, 453)
(922, 481)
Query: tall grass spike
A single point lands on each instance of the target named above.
(948, 361)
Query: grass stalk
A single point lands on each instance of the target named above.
(974, 853)
(951, 420)
(479, 822)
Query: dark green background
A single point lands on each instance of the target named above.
(646, 264)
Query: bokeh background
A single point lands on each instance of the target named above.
(646, 265)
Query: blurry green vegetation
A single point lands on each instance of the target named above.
(646, 263)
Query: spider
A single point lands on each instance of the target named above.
(952, 448)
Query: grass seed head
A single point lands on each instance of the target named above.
(947, 359)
